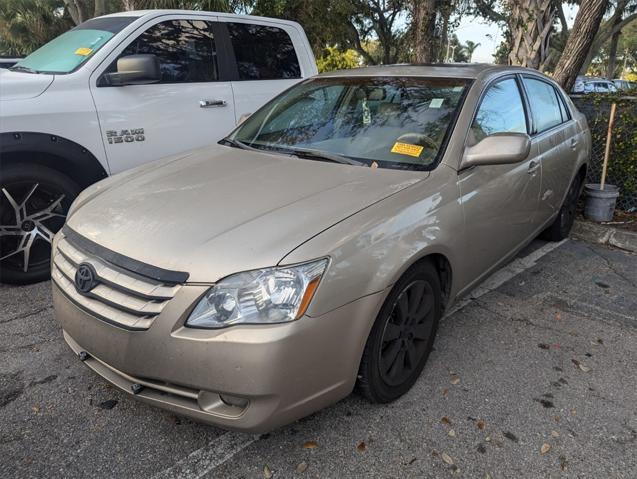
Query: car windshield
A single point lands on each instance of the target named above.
(70, 50)
(387, 122)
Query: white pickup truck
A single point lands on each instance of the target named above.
(121, 90)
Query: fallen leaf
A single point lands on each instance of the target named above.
(447, 458)
(558, 317)
(35, 409)
(301, 468)
(108, 404)
(362, 447)
(488, 438)
(557, 418)
(455, 380)
(545, 448)
(445, 391)
(310, 445)
(573, 412)
(563, 463)
(451, 433)
(480, 424)
(555, 434)
(584, 368)
(445, 420)
(267, 473)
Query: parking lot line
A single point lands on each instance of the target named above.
(200, 462)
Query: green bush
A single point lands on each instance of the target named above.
(622, 162)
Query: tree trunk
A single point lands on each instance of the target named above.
(424, 28)
(612, 55)
(530, 24)
(100, 8)
(587, 21)
(607, 29)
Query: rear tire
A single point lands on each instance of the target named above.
(561, 226)
(34, 201)
(402, 336)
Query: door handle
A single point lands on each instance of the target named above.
(573, 143)
(533, 167)
(211, 103)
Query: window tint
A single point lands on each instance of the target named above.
(501, 110)
(544, 104)
(185, 49)
(263, 52)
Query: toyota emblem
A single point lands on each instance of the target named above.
(85, 278)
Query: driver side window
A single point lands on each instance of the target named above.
(185, 49)
(501, 111)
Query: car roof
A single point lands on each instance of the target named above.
(159, 12)
(434, 70)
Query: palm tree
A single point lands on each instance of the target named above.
(470, 47)
(26, 25)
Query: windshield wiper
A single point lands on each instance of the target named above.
(323, 155)
(238, 144)
(20, 68)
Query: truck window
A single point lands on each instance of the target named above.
(263, 52)
(185, 49)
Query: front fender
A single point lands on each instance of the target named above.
(372, 249)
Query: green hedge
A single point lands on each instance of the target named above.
(622, 163)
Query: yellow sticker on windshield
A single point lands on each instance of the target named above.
(83, 51)
(407, 149)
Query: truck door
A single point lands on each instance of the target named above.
(190, 107)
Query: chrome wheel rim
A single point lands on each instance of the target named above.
(30, 215)
(407, 333)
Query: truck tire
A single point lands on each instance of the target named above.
(34, 201)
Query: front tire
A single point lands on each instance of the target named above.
(34, 201)
(402, 336)
(561, 226)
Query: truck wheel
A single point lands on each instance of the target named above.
(34, 201)
(402, 336)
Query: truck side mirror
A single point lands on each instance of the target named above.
(134, 70)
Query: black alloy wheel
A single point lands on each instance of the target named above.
(34, 201)
(402, 336)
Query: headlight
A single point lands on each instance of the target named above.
(272, 295)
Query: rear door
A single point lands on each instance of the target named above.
(191, 107)
(555, 134)
(266, 61)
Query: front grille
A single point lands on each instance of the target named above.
(121, 297)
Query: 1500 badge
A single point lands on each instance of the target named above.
(125, 136)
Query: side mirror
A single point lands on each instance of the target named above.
(135, 70)
(497, 149)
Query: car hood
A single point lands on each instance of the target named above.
(21, 86)
(224, 210)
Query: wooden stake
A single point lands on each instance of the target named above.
(611, 120)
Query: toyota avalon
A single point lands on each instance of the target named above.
(315, 249)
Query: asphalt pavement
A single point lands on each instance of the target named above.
(535, 376)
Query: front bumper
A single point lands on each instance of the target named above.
(278, 373)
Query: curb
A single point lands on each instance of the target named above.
(603, 234)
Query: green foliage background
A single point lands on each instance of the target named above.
(622, 163)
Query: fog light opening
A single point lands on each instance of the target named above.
(234, 401)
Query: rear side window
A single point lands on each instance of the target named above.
(501, 110)
(263, 52)
(544, 104)
(185, 49)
